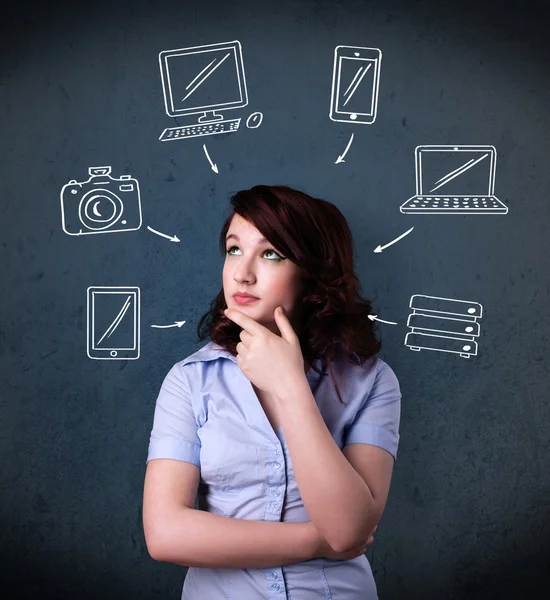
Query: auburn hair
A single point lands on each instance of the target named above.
(314, 234)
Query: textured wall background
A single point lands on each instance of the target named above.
(468, 512)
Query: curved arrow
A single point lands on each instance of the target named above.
(373, 318)
(172, 238)
(176, 324)
(341, 157)
(380, 248)
(214, 167)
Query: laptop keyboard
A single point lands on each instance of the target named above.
(451, 202)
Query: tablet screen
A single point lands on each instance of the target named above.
(113, 320)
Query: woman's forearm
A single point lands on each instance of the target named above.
(336, 498)
(195, 538)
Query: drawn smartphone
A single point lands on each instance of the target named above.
(355, 78)
(113, 322)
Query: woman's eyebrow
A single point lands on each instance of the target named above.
(260, 241)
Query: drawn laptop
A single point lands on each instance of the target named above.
(457, 180)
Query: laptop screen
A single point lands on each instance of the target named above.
(453, 172)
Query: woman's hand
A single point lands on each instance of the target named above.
(269, 361)
(324, 550)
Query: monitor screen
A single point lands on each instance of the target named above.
(205, 78)
(455, 172)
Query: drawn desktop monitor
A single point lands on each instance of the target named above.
(113, 322)
(455, 180)
(203, 79)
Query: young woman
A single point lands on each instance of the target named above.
(292, 464)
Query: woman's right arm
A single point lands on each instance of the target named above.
(195, 538)
(202, 539)
(175, 532)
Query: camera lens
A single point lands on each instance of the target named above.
(99, 209)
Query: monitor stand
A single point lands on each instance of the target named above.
(210, 116)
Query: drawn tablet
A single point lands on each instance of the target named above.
(355, 77)
(113, 322)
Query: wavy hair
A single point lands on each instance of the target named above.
(314, 234)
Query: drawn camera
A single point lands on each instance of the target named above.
(101, 204)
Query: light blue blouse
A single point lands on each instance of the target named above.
(208, 414)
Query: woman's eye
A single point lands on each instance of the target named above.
(276, 256)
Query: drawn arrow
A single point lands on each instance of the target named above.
(380, 248)
(214, 167)
(340, 159)
(172, 238)
(176, 324)
(373, 318)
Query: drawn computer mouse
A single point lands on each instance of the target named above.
(254, 120)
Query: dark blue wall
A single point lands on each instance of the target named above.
(468, 513)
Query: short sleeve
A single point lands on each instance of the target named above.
(174, 433)
(377, 421)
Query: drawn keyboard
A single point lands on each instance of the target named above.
(190, 131)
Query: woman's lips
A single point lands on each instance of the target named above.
(244, 300)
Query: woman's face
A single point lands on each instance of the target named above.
(252, 267)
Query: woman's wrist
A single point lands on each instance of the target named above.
(312, 540)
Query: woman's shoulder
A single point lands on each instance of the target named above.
(368, 373)
(206, 353)
(200, 364)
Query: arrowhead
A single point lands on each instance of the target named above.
(378, 248)
(372, 317)
(215, 168)
(175, 238)
(179, 323)
(339, 160)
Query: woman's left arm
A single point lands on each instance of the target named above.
(337, 499)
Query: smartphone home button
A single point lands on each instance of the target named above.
(353, 116)
(113, 353)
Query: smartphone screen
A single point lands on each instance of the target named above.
(113, 322)
(356, 86)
